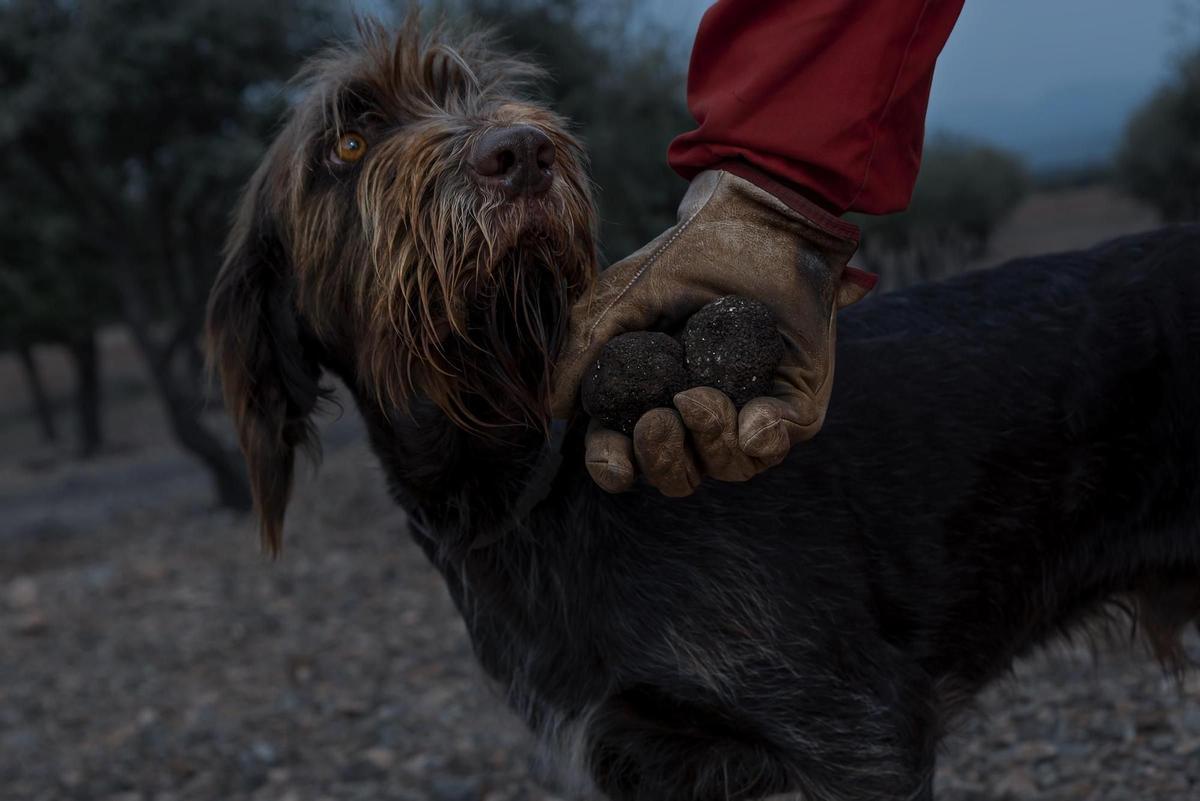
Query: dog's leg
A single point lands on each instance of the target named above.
(634, 759)
(648, 746)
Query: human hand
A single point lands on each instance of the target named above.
(732, 238)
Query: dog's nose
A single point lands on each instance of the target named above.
(518, 159)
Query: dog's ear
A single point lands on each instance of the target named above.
(254, 343)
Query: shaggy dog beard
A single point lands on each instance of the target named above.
(477, 325)
(515, 324)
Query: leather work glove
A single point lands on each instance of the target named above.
(732, 238)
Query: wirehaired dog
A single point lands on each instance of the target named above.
(1005, 454)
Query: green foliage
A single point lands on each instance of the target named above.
(965, 188)
(128, 127)
(1159, 159)
(623, 89)
(44, 296)
(1074, 176)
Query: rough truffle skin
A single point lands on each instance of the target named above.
(733, 345)
(636, 372)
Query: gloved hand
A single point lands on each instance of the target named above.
(732, 238)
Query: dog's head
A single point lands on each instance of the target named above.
(418, 223)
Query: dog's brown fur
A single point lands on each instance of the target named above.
(1005, 453)
(439, 285)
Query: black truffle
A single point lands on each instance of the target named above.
(635, 373)
(733, 344)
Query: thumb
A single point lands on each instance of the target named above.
(573, 360)
(592, 325)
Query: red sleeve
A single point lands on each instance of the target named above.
(826, 96)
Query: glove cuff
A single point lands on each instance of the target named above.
(845, 234)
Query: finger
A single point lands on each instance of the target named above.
(609, 458)
(564, 388)
(662, 453)
(594, 322)
(712, 419)
(765, 429)
(577, 353)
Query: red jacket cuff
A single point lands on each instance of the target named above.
(810, 211)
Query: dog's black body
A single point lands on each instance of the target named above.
(1005, 453)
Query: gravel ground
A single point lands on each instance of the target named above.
(154, 655)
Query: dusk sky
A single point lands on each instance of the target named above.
(1053, 79)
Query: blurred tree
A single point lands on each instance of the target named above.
(1159, 159)
(965, 188)
(44, 298)
(622, 86)
(140, 120)
(16, 299)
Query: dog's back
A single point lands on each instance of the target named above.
(1052, 404)
(1005, 452)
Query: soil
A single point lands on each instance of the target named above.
(149, 652)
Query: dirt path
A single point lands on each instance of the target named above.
(148, 653)
(44, 488)
(159, 657)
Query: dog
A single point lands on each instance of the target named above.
(1006, 455)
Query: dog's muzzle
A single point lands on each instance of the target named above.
(518, 160)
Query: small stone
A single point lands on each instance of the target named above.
(455, 788)
(360, 770)
(264, 752)
(1018, 785)
(72, 776)
(32, 624)
(352, 707)
(381, 758)
(21, 593)
(419, 764)
(1046, 773)
(1162, 742)
(1035, 752)
(1187, 747)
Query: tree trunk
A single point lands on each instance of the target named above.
(41, 401)
(86, 356)
(225, 466)
(180, 386)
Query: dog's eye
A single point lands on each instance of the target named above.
(350, 147)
